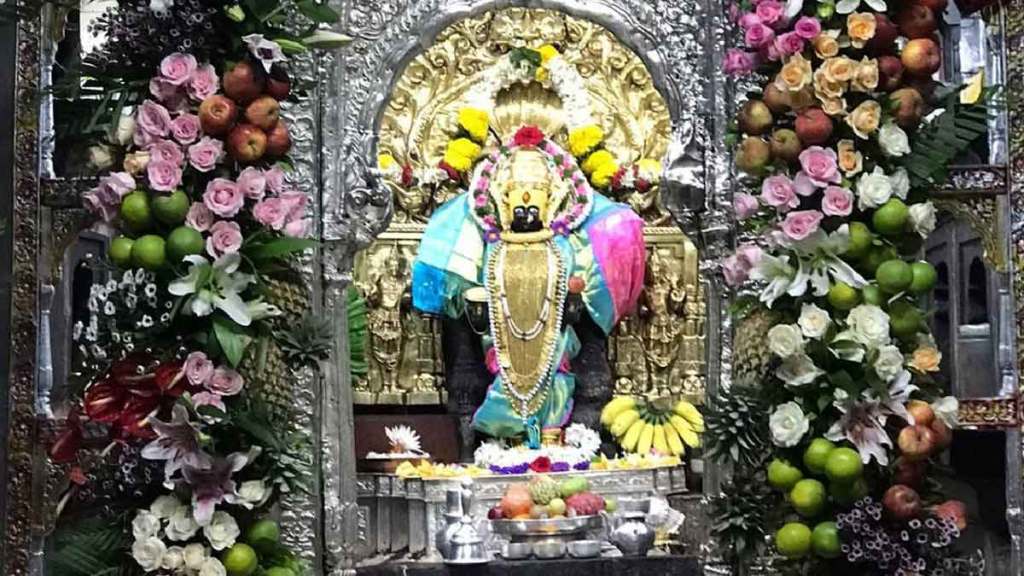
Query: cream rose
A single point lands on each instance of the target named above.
(869, 325)
(926, 359)
(824, 87)
(222, 531)
(795, 74)
(826, 45)
(865, 118)
(860, 26)
(165, 506)
(212, 567)
(784, 340)
(194, 555)
(893, 140)
(181, 526)
(839, 69)
(252, 493)
(900, 182)
(865, 79)
(833, 106)
(873, 189)
(149, 553)
(889, 362)
(788, 424)
(798, 370)
(174, 559)
(145, 525)
(851, 161)
(813, 321)
(922, 218)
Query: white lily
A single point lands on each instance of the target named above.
(779, 274)
(258, 309)
(215, 286)
(820, 261)
(266, 51)
(848, 6)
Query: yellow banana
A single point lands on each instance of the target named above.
(691, 414)
(686, 432)
(629, 441)
(616, 406)
(643, 446)
(623, 421)
(660, 442)
(674, 443)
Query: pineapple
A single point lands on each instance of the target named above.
(751, 356)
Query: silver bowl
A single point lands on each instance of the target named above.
(549, 549)
(585, 548)
(547, 527)
(516, 550)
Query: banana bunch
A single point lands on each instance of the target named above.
(642, 426)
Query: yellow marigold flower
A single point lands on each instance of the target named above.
(602, 177)
(385, 161)
(547, 52)
(541, 74)
(596, 160)
(461, 153)
(585, 139)
(475, 122)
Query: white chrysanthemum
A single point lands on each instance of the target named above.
(145, 525)
(403, 439)
(587, 441)
(149, 553)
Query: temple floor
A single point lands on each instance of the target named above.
(651, 566)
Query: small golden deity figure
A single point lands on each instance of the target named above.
(663, 303)
(385, 296)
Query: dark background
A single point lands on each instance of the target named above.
(7, 72)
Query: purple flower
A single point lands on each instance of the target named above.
(560, 467)
(492, 235)
(738, 62)
(807, 27)
(177, 442)
(153, 120)
(560, 227)
(212, 484)
(584, 465)
(759, 36)
(789, 43)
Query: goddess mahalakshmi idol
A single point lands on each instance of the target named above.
(530, 237)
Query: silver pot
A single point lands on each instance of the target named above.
(631, 534)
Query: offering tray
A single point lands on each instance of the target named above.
(563, 529)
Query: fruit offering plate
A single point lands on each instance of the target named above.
(547, 527)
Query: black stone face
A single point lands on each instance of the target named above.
(526, 219)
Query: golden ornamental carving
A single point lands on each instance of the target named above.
(989, 413)
(982, 214)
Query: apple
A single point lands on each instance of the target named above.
(955, 510)
(943, 434)
(916, 442)
(755, 117)
(263, 112)
(909, 472)
(775, 98)
(885, 36)
(921, 57)
(278, 140)
(916, 21)
(813, 126)
(217, 114)
(786, 145)
(890, 72)
(938, 6)
(921, 411)
(247, 143)
(279, 85)
(924, 85)
(753, 154)
(243, 83)
(909, 108)
(902, 502)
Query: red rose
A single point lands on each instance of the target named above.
(541, 465)
(528, 136)
(407, 175)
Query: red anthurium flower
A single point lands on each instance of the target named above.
(103, 401)
(65, 447)
(170, 378)
(541, 464)
(529, 136)
(407, 175)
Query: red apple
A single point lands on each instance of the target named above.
(943, 434)
(921, 411)
(243, 83)
(755, 118)
(955, 510)
(263, 112)
(279, 85)
(939, 6)
(217, 114)
(909, 472)
(890, 72)
(278, 140)
(910, 107)
(921, 57)
(813, 126)
(884, 40)
(924, 85)
(902, 502)
(247, 143)
(775, 98)
(916, 442)
(786, 145)
(917, 21)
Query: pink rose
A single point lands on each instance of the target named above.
(102, 203)
(749, 20)
(820, 165)
(198, 368)
(837, 201)
(177, 68)
(789, 43)
(770, 12)
(205, 154)
(225, 382)
(119, 184)
(253, 183)
(807, 27)
(275, 179)
(801, 224)
(271, 212)
(166, 151)
(297, 228)
(225, 238)
(152, 119)
(803, 184)
(733, 271)
(738, 62)
(163, 175)
(208, 399)
(745, 205)
(223, 197)
(777, 191)
(758, 36)
(199, 217)
(164, 91)
(749, 254)
(185, 128)
(296, 204)
(203, 83)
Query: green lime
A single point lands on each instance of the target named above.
(843, 296)
(904, 319)
(808, 497)
(816, 455)
(172, 208)
(924, 277)
(875, 257)
(183, 241)
(263, 535)
(825, 540)
(240, 560)
(278, 571)
(793, 540)
(121, 251)
(891, 217)
(894, 276)
(782, 475)
(843, 465)
(872, 295)
(149, 252)
(846, 494)
(135, 211)
(860, 241)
